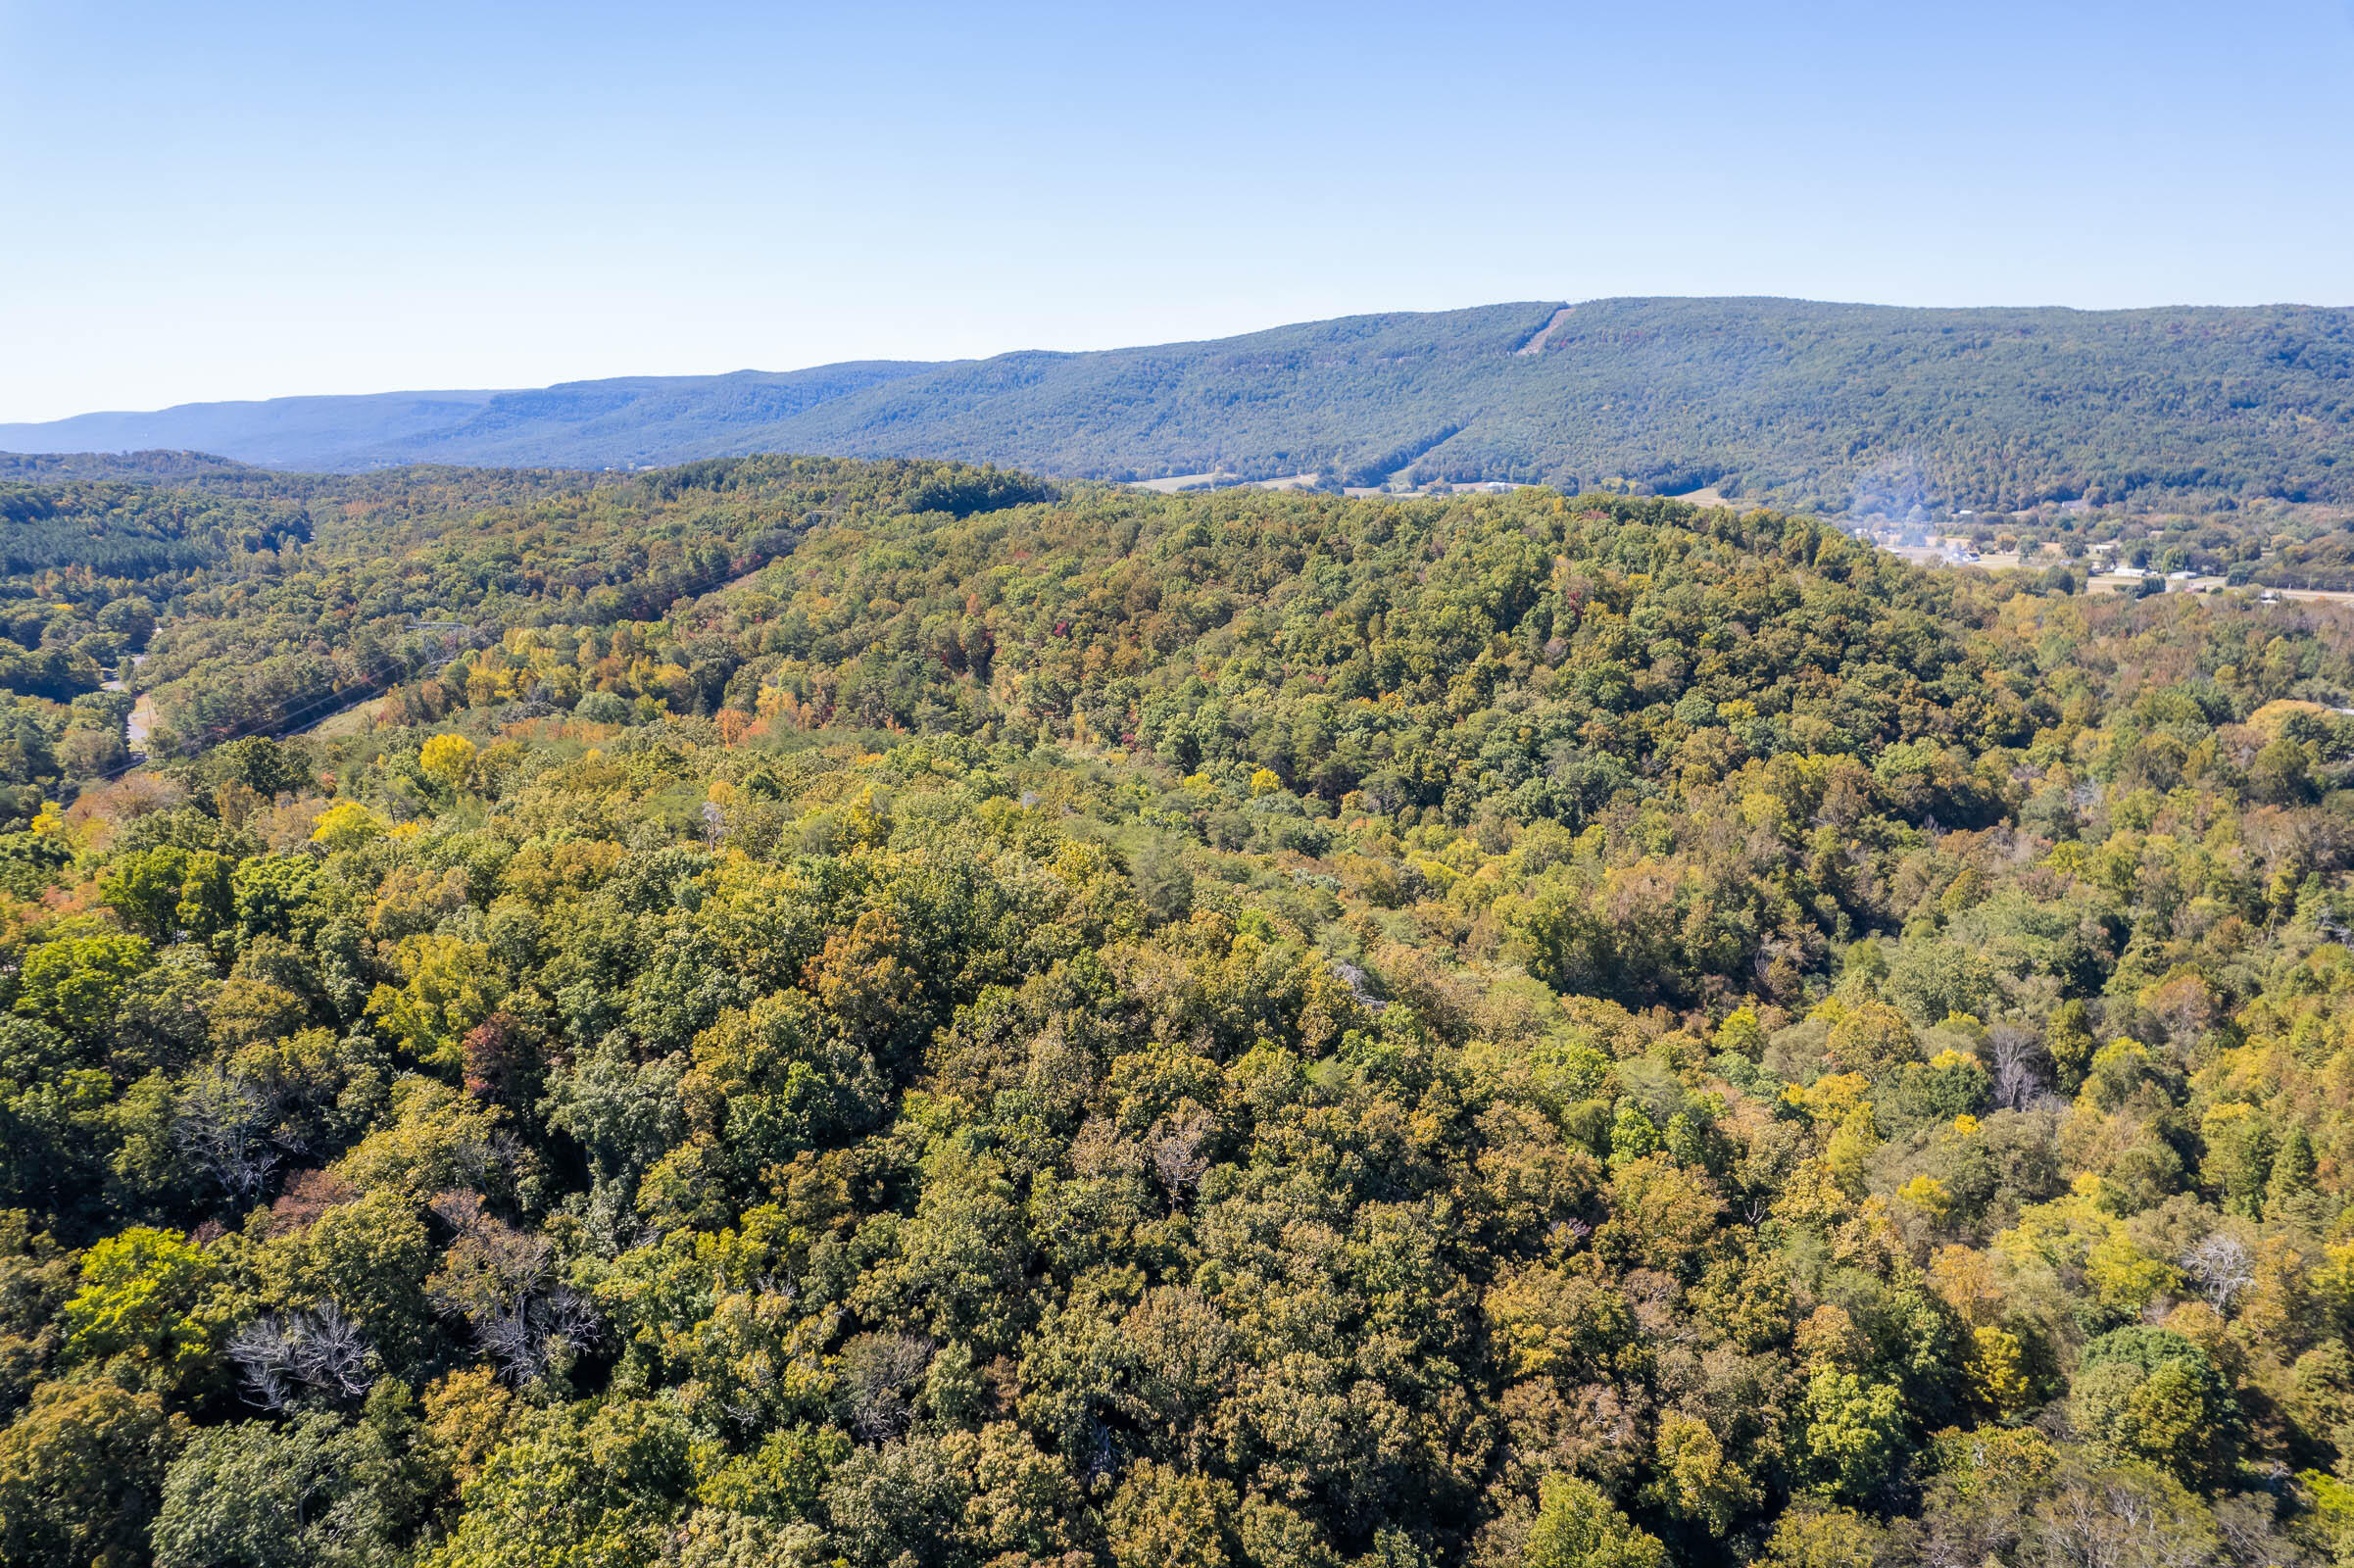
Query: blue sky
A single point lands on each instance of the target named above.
(245, 200)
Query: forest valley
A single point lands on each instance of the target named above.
(802, 1011)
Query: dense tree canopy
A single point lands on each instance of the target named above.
(883, 1015)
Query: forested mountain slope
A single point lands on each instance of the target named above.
(1786, 402)
(890, 1015)
(1780, 400)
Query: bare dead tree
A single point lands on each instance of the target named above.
(319, 1351)
(222, 1125)
(507, 1286)
(2222, 1267)
(878, 1370)
(2018, 1066)
(528, 1336)
(1174, 1149)
(2110, 1521)
(1354, 979)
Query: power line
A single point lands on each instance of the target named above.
(388, 675)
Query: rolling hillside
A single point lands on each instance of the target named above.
(1829, 407)
(821, 1012)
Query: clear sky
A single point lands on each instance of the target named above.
(234, 200)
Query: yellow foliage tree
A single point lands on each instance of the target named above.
(448, 760)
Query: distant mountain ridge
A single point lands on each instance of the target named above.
(1831, 407)
(626, 421)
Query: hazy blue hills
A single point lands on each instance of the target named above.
(627, 422)
(1786, 401)
(288, 433)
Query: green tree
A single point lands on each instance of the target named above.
(316, 1491)
(249, 1495)
(80, 1476)
(1633, 1134)
(1854, 1433)
(145, 1306)
(593, 1491)
(2151, 1394)
(77, 982)
(1577, 1527)
(371, 1257)
(281, 896)
(2290, 1187)
(1164, 1518)
(1828, 1538)
(1695, 1479)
